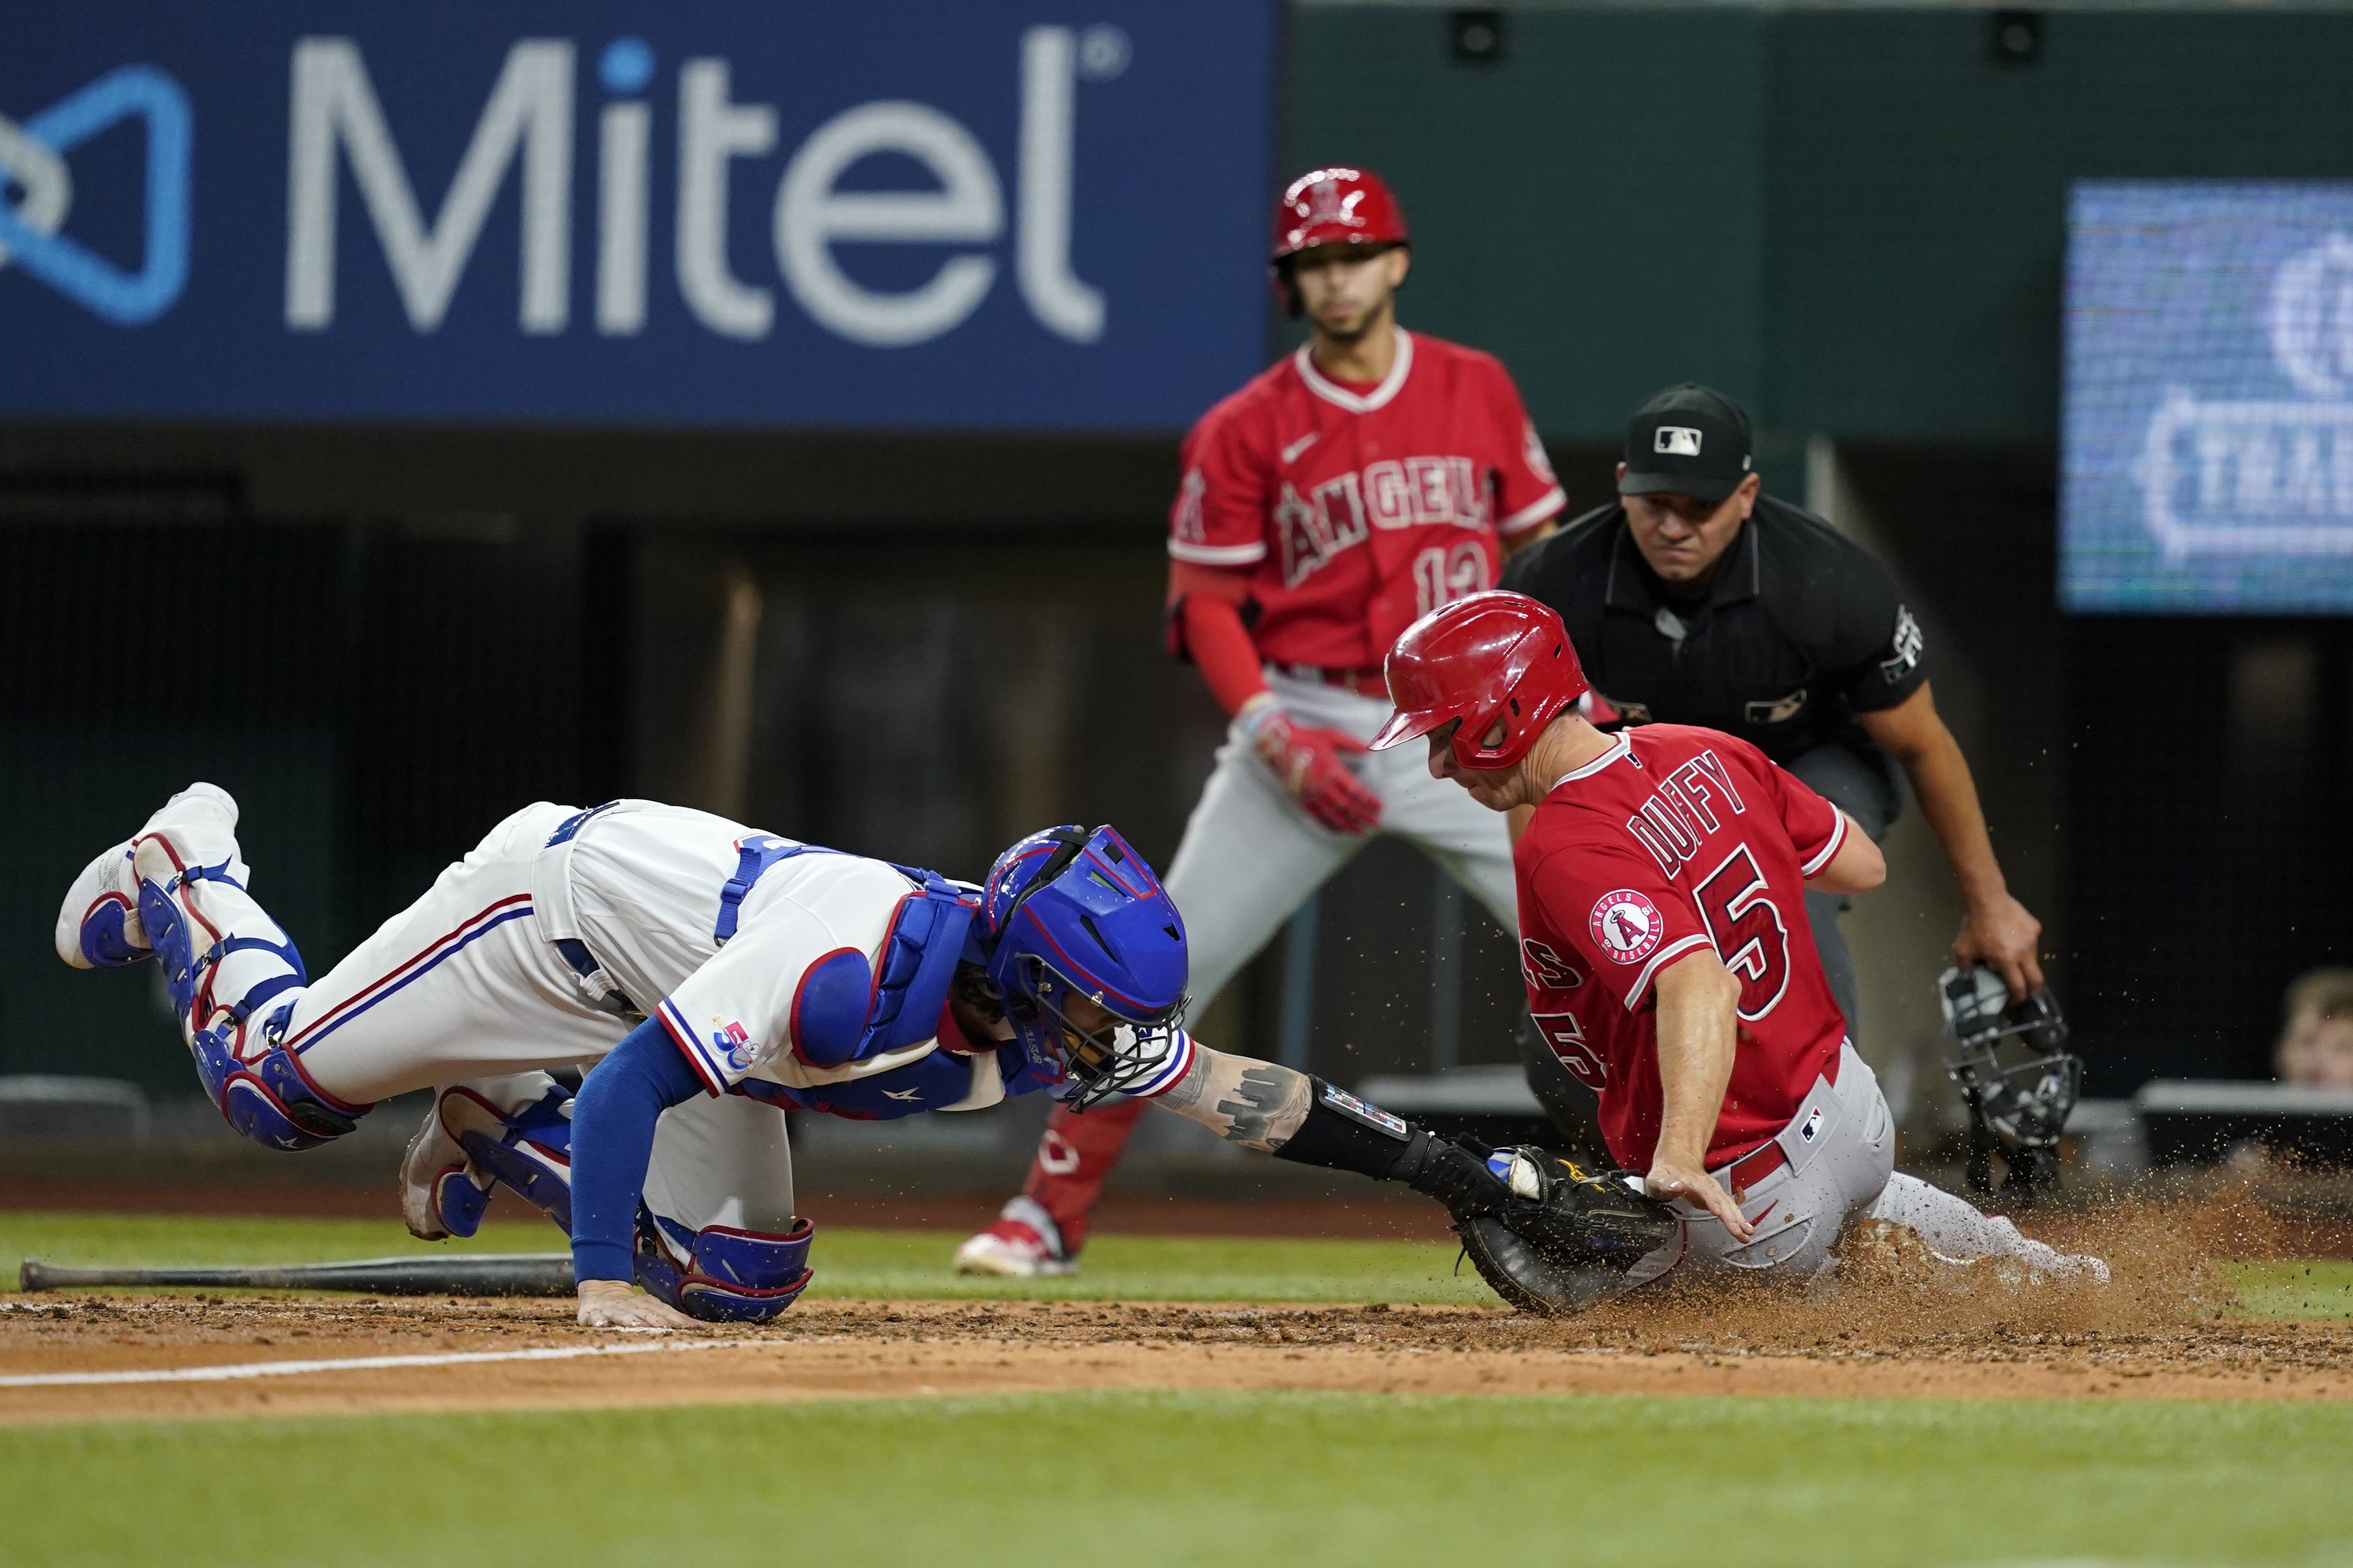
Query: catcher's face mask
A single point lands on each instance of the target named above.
(1103, 1051)
(2011, 1054)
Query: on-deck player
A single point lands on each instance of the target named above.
(786, 974)
(1369, 477)
(1661, 883)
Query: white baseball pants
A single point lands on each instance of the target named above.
(1839, 1159)
(1250, 856)
(463, 986)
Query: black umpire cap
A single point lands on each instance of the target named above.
(1686, 441)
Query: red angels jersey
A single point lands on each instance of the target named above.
(1679, 839)
(1361, 512)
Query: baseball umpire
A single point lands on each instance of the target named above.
(1368, 478)
(1696, 598)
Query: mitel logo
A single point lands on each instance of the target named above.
(33, 158)
(528, 122)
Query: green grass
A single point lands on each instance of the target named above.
(1151, 1479)
(170, 1241)
(1148, 1479)
(2308, 1288)
(915, 1263)
(871, 1263)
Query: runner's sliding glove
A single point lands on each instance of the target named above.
(1308, 760)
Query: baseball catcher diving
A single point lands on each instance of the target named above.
(1662, 876)
(709, 976)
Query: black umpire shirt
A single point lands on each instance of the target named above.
(1798, 630)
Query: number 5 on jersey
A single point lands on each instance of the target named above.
(1545, 970)
(1748, 930)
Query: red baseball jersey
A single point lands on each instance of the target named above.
(1679, 839)
(1361, 510)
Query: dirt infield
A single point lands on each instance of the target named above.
(898, 1349)
(1894, 1323)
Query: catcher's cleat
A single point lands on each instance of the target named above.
(98, 925)
(527, 1150)
(433, 1208)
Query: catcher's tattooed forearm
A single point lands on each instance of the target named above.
(1253, 1103)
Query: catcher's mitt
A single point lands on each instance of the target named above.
(1564, 1238)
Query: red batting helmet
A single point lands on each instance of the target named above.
(1350, 207)
(1493, 655)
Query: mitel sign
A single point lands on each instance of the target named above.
(905, 215)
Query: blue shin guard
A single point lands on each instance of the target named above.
(528, 1152)
(194, 973)
(729, 1276)
(220, 991)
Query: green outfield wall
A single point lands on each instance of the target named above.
(1852, 220)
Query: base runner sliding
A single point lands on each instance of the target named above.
(1663, 874)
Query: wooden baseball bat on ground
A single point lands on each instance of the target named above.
(456, 1274)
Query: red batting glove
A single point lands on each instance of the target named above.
(1308, 762)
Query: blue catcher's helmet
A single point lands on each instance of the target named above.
(1069, 912)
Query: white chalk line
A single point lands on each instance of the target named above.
(239, 1370)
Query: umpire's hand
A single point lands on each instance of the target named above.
(2001, 935)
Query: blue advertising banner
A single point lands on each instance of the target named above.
(2208, 460)
(906, 214)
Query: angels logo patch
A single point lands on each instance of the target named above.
(1626, 926)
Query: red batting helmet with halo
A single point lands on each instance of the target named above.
(1492, 656)
(1334, 206)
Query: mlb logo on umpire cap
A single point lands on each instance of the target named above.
(1688, 440)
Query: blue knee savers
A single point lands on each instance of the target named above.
(730, 1276)
(268, 1100)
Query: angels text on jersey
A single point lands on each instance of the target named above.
(1341, 512)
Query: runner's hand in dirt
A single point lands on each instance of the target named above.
(1669, 1179)
(612, 1304)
